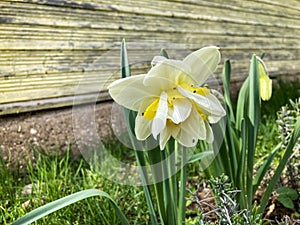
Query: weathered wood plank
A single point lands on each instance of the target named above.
(49, 47)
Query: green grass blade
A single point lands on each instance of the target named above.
(63, 202)
(288, 152)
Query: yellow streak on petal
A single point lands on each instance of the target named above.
(197, 90)
(173, 94)
(200, 111)
(202, 91)
(151, 110)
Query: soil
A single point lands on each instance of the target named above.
(52, 130)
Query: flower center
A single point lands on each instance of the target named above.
(173, 94)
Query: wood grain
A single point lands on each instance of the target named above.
(51, 50)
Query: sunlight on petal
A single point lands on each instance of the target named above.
(160, 119)
(190, 130)
(209, 133)
(164, 136)
(128, 92)
(172, 71)
(142, 128)
(203, 63)
(180, 110)
(158, 60)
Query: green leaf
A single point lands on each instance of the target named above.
(200, 156)
(286, 201)
(63, 202)
(254, 93)
(125, 68)
(253, 114)
(288, 192)
(226, 83)
(264, 168)
(241, 103)
(164, 53)
(182, 190)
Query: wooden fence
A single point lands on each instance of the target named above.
(51, 50)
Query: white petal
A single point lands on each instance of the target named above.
(209, 103)
(160, 119)
(190, 130)
(129, 92)
(199, 99)
(209, 133)
(142, 125)
(203, 63)
(142, 128)
(170, 130)
(180, 111)
(203, 132)
(170, 72)
(158, 60)
(164, 136)
(216, 107)
(162, 83)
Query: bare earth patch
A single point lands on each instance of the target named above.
(52, 130)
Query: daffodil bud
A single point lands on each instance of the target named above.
(264, 81)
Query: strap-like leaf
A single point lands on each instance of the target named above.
(125, 68)
(200, 156)
(164, 53)
(63, 202)
(252, 123)
(226, 84)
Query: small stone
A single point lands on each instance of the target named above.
(19, 129)
(33, 131)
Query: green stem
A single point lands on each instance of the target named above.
(141, 162)
(182, 190)
(154, 157)
(167, 189)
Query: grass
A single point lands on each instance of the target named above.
(57, 176)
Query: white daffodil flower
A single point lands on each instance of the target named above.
(264, 81)
(170, 100)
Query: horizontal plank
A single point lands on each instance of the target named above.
(52, 50)
(50, 103)
(121, 11)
